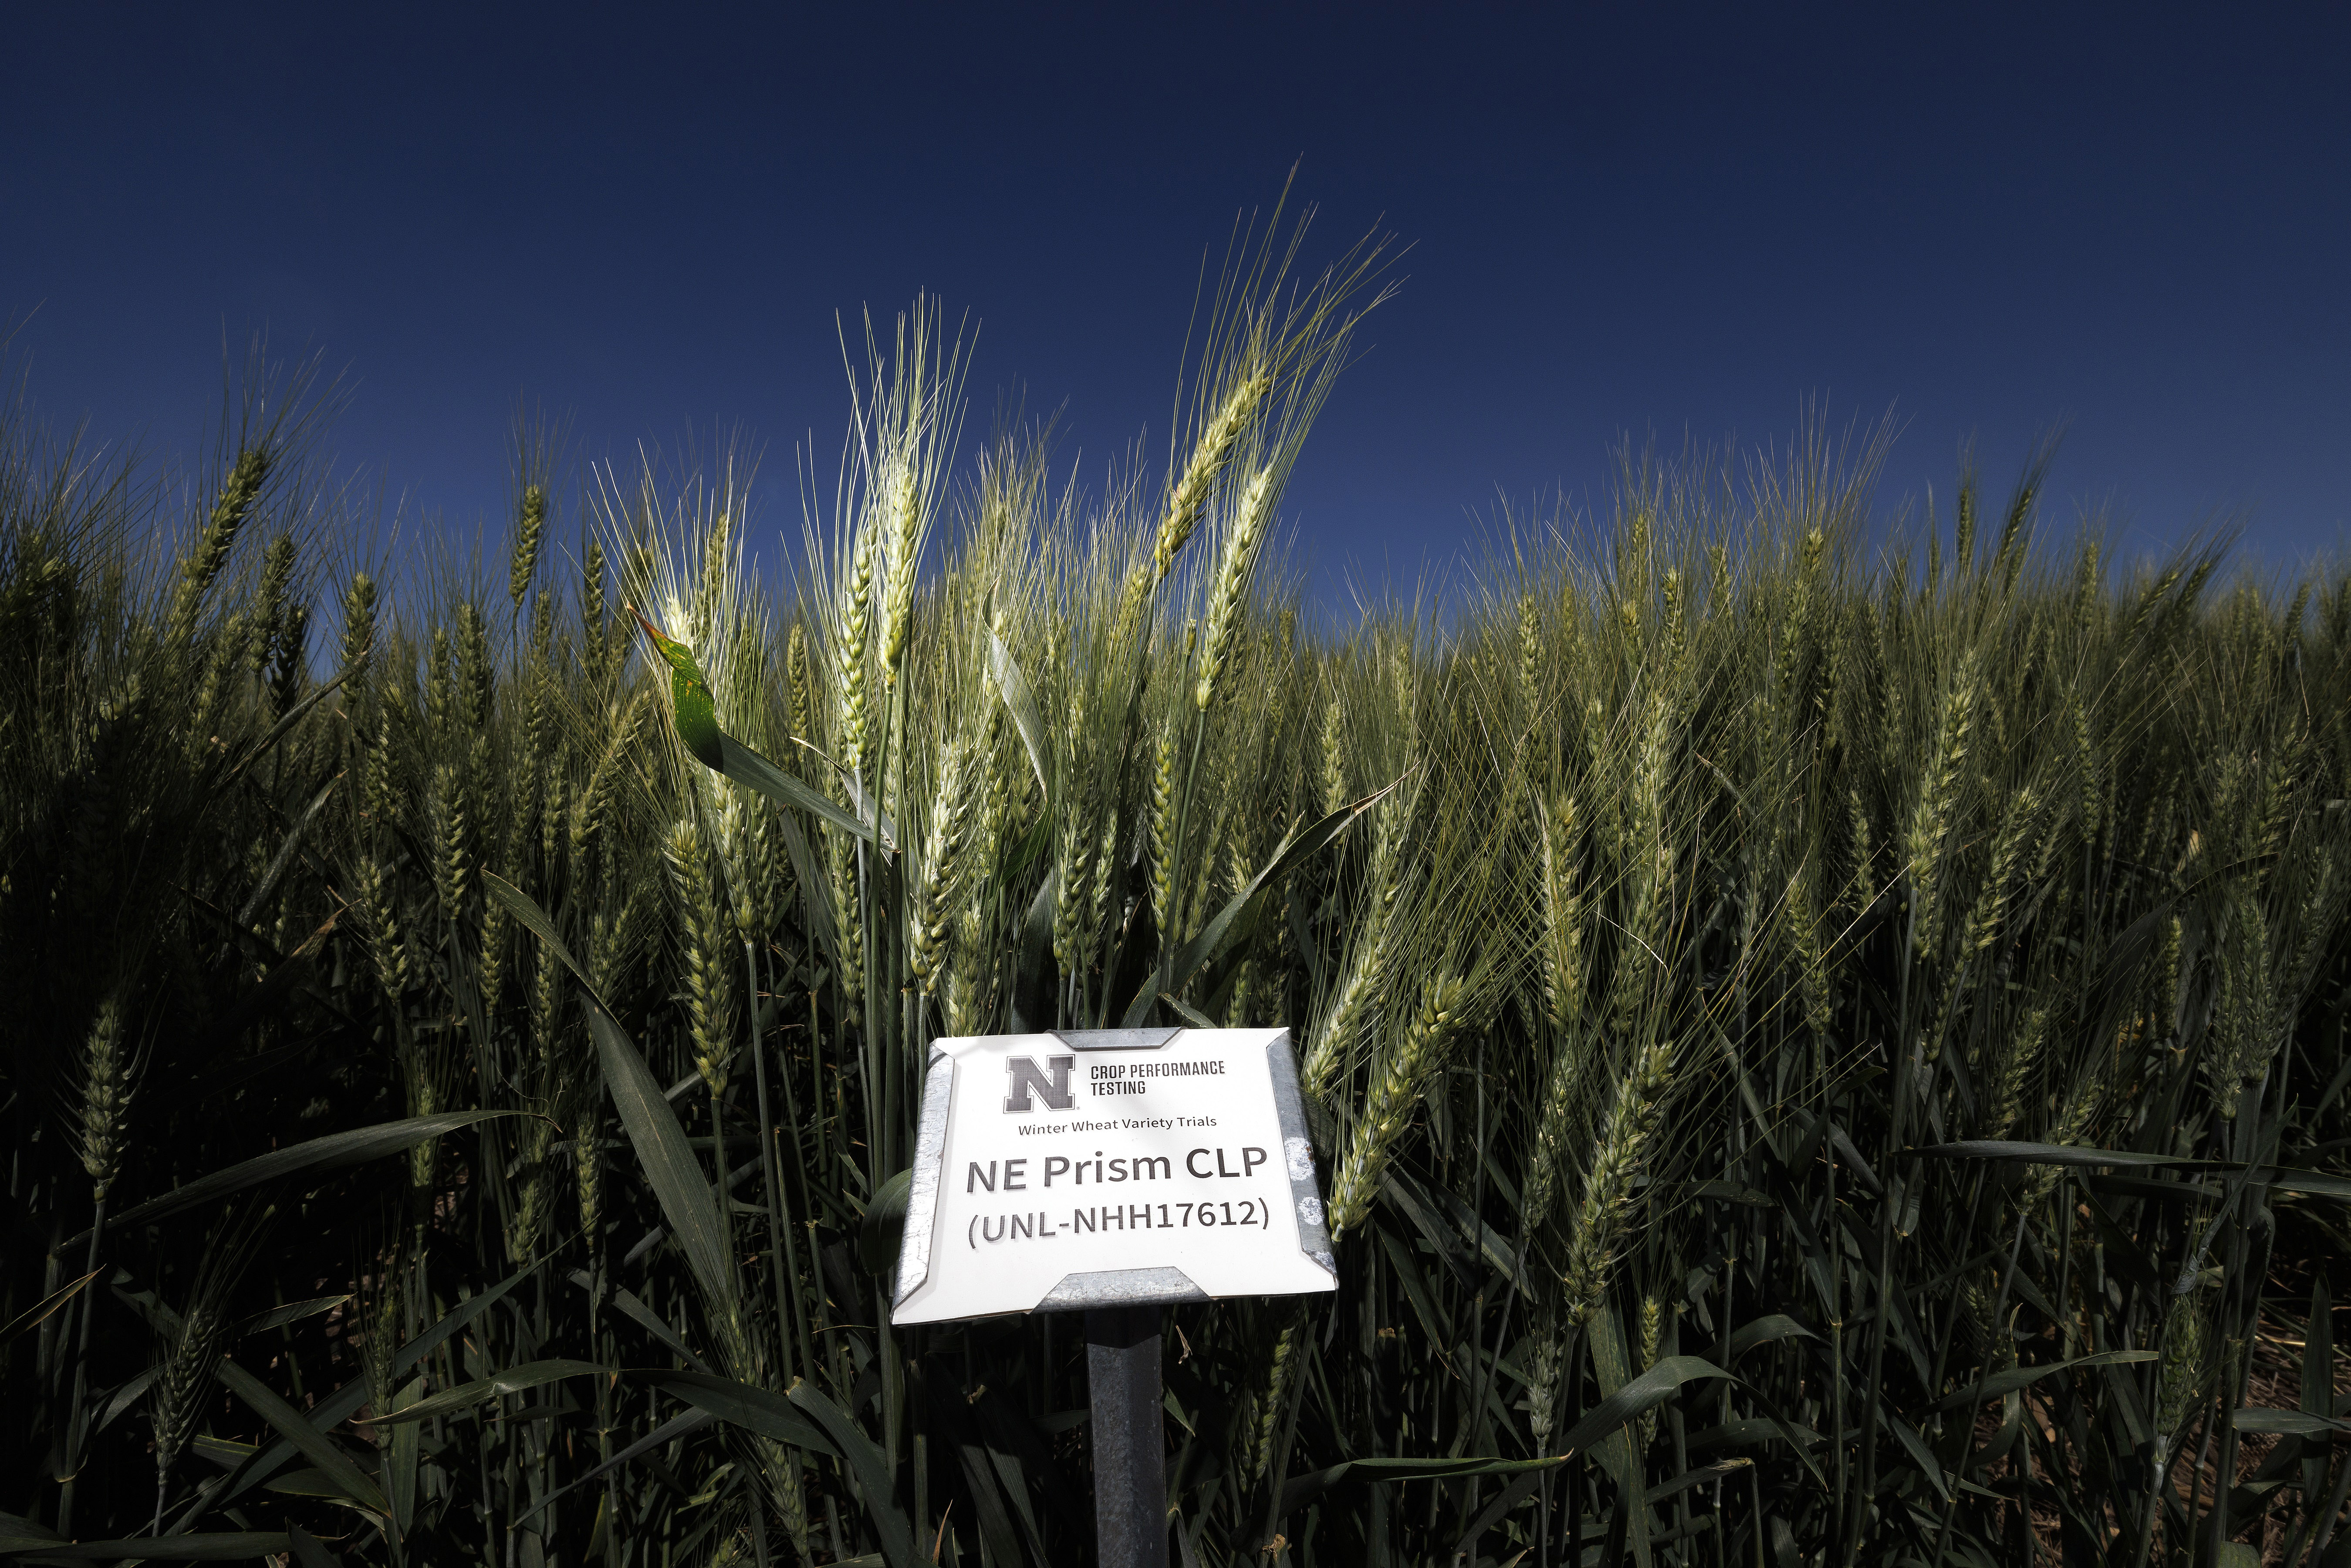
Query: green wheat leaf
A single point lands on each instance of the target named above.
(466, 1395)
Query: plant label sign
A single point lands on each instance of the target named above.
(1109, 1168)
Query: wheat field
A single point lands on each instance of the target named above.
(1818, 1052)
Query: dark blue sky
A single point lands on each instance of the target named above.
(1686, 222)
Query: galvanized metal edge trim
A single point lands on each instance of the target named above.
(1297, 1157)
(1115, 1039)
(923, 1190)
(1121, 1288)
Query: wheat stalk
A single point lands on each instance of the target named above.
(854, 628)
(1393, 1100)
(1214, 449)
(702, 952)
(531, 522)
(2179, 1374)
(1233, 573)
(203, 563)
(1626, 1140)
(904, 518)
(950, 813)
(1266, 1429)
(2008, 1093)
(1163, 830)
(1929, 825)
(106, 1074)
(800, 683)
(1362, 985)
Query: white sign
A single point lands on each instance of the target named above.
(1095, 1168)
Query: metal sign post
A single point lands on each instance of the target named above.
(1111, 1172)
(1130, 1457)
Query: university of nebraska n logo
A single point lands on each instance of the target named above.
(1024, 1077)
